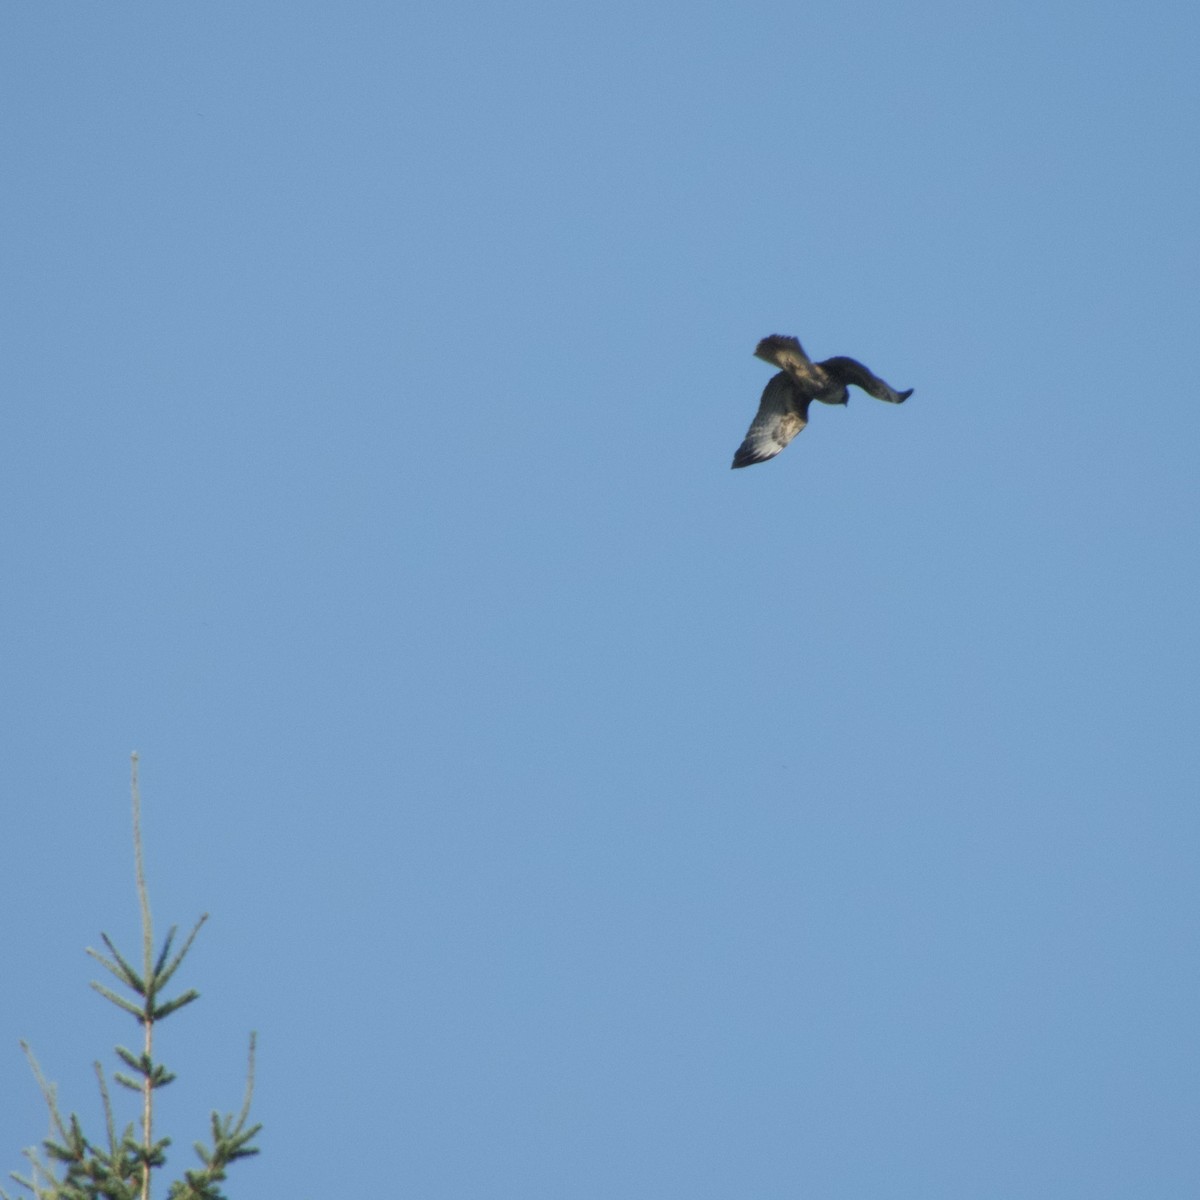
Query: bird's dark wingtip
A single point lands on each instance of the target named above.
(905, 395)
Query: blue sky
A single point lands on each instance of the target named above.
(577, 817)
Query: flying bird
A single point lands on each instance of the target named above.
(783, 409)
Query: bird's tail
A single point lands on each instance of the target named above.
(783, 352)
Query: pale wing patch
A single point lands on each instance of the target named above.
(782, 414)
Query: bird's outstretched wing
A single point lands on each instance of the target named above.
(782, 413)
(787, 354)
(848, 370)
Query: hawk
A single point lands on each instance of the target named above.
(783, 409)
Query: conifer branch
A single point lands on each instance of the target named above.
(76, 1169)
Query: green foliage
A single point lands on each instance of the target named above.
(72, 1166)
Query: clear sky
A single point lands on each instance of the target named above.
(580, 818)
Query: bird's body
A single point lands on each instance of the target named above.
(783, 409)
